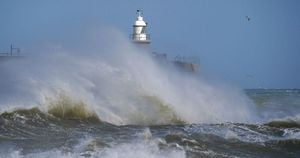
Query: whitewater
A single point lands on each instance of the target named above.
(111, 99)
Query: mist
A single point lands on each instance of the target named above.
(123, 84)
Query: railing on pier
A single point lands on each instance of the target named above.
(140, 37)
(14, 51)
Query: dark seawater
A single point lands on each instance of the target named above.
(34, 133)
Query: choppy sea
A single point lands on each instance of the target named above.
(64, 131)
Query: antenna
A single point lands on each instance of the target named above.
(139, 12)
(14, 48)
(11, 49)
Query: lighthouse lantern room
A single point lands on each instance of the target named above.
(140, 30)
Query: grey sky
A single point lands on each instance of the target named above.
(261, 52)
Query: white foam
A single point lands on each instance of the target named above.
(291, 133)
(113, 79)
(144, 149)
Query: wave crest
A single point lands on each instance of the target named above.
(287, 122)
(66, 108)
(158, 112)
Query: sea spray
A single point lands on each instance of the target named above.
(122, 85)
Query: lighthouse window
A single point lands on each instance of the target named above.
(143, 30)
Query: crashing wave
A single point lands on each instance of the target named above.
(287, 122)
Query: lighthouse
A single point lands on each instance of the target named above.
(142, 40)
(139, 34)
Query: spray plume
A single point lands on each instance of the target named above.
(119, 82)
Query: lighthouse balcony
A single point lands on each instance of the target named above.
(141, 38)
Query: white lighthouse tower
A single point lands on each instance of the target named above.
(139, 34)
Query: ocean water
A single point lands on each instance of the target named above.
(64, 132)
(108, 101)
